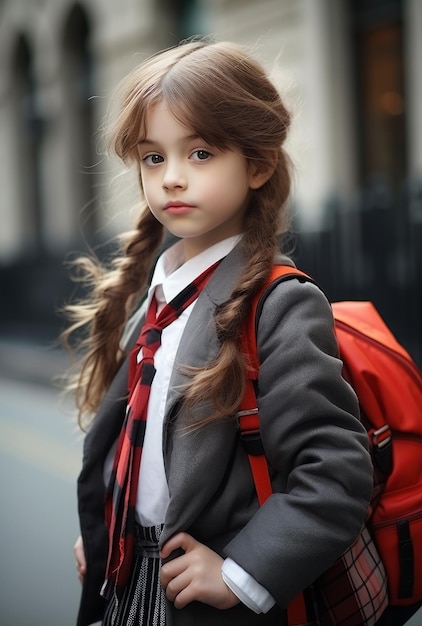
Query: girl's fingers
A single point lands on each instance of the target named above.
(170, 570)
(181, 541)
(79, 552)
(176, 585)
(175, 549)
(196, 575)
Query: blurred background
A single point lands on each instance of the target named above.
(350, 71)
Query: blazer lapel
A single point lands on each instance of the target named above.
(199, 342)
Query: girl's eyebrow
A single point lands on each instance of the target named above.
(153, 142)
(147, 142)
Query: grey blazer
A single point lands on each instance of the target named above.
(315, 444)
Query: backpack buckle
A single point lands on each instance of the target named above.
(246, 412)
(250, 435)
(252, 443)
(382, 446)
(381, 437)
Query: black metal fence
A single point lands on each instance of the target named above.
(371, 249)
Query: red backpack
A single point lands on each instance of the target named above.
(389, 388)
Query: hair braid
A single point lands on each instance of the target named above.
(224, 379)
(114, 295)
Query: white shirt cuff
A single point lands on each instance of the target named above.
(246, 588)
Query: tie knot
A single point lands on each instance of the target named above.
(150, 335)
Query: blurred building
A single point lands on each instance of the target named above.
(350, 70)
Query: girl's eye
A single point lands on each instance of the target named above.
(201, 155)
(153, 159)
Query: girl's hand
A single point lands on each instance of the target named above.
(78, 549)
(196, 575)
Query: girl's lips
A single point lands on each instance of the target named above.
(178, 208)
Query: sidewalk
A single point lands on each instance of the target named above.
(30, 361)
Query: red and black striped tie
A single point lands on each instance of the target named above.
(122, 491)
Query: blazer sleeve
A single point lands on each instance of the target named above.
(315, 444)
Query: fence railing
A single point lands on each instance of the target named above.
(372, 250)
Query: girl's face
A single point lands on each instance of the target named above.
(199, 193)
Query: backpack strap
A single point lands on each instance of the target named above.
(248, 414)
(251, 441)
(249, 419)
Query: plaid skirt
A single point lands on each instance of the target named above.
(143, 601)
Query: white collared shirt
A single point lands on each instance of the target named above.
(171, 275)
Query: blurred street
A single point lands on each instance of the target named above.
(39, 461)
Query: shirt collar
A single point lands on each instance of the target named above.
(172, 274)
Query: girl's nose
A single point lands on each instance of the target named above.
(174, 177)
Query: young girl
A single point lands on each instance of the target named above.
(171, 529)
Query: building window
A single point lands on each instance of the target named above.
(28, 133)
(187, 18)
(78, 109)
(379, 64)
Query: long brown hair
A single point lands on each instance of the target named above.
(225, 96)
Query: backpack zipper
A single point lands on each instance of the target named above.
(405, 363)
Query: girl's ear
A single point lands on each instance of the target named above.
(259, 173)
